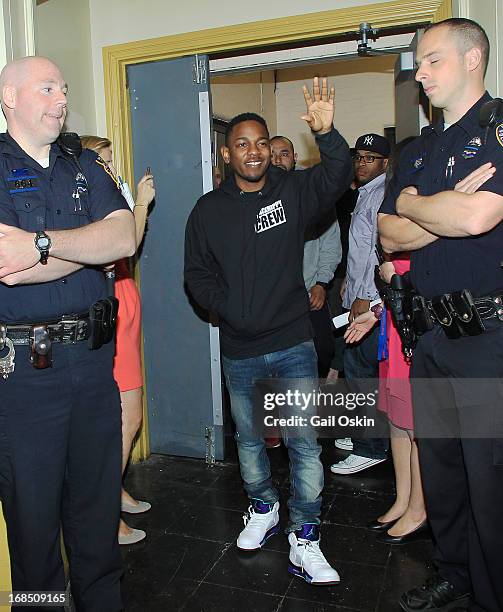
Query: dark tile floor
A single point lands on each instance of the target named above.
(190, 562)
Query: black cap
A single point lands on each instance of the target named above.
(373, 143)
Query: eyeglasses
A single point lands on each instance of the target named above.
(368, 159)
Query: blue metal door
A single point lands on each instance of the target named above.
(171, 128)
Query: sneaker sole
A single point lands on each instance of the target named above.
(298, 571)
(360, 468)
(343, 447)
(462, 601)
(272, 531)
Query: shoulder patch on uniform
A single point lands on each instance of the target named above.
(499, 133)
(105, 167)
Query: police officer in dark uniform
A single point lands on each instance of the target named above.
(446, 206)
(61, 219)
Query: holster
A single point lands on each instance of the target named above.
(41, 347)
(103, 320)
(400, 297)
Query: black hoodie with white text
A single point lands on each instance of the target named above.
(244, 251)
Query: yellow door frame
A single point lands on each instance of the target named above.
(311, 26)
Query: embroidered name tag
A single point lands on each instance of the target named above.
(270, 216)
(22, 180)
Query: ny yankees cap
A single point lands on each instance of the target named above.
(374, 143)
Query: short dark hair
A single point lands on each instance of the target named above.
(279, 137)
(469, 34)
(240, 119)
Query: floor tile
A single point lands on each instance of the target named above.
(341, 543)
(357, 509)
(359, 588)
(301, 605)
(217, 598)
(408, 566)
(265, 571)
(215, 524)
(143, 599)
(166, 556)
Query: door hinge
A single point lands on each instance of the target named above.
(199, 70)
(210, 445)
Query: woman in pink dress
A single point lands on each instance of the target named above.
(127, 362)
(405, 520)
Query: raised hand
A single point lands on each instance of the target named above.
(319, 107)
(145, 190)
(475, 179)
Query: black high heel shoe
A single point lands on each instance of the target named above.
(420, 533)
(378, 526)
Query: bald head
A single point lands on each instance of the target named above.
(34, 102)
(14, 73)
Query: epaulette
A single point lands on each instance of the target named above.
(427, 129)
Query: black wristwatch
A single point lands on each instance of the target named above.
(43, 244)
(321, 284)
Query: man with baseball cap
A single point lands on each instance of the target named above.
(360, 360)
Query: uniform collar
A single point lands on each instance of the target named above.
(11, 147)
(375, 182)
(469, 119)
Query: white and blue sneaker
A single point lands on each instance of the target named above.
(306, 559)
(261, 522)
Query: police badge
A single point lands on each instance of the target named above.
(472, 148)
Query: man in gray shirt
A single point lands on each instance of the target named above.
(360, 360)
(322, 254)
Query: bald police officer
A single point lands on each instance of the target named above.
(60, 416)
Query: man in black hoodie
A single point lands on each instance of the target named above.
(243, 260)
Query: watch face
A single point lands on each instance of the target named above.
(43, 242)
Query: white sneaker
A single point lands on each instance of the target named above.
(261, 522)
(353, 464)
(306, 559)
(344, 444)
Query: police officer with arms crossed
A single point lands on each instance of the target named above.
(445, 205)
(60, 414)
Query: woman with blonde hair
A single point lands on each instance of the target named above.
(127, 363)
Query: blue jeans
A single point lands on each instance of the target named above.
(306, 470)
(360, 361)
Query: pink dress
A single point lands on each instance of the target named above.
(127, 362)
(394, 387)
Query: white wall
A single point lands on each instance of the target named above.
(364, 100)
(63, 34)
(489, 13)
(250, 92)
(119, 21)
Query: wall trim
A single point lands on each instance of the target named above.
(311, 26)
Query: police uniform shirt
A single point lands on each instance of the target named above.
(54, 198)
(435, 162)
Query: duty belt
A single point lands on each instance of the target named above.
(488, 307)
(67, 330)
(459, 313)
